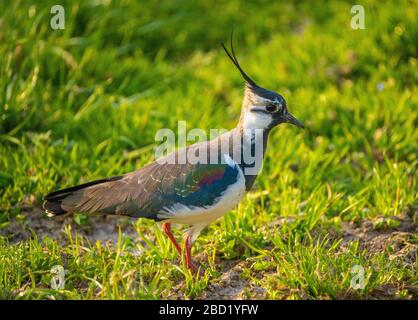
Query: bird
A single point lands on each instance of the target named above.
(197, 193)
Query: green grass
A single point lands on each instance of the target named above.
(85, 103)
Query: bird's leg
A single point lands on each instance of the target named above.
(167, 230)
(188, 253)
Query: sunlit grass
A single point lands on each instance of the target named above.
(86, 102)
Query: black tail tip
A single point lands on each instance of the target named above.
(53, 208)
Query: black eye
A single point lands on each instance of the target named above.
(271, 108)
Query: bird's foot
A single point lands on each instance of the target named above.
(196, 268)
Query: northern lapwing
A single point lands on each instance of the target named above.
(193, 194)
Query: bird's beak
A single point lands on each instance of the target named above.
(291, 119)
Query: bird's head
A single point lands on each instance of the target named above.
(262, 108)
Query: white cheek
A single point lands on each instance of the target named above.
(257, 120)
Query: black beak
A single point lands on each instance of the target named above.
(291, 119)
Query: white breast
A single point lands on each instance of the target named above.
(180, 213)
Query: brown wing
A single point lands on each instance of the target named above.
(144, 193)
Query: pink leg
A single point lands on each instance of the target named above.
(167, 230)
(188, 253)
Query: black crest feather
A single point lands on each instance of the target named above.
(236, 63)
